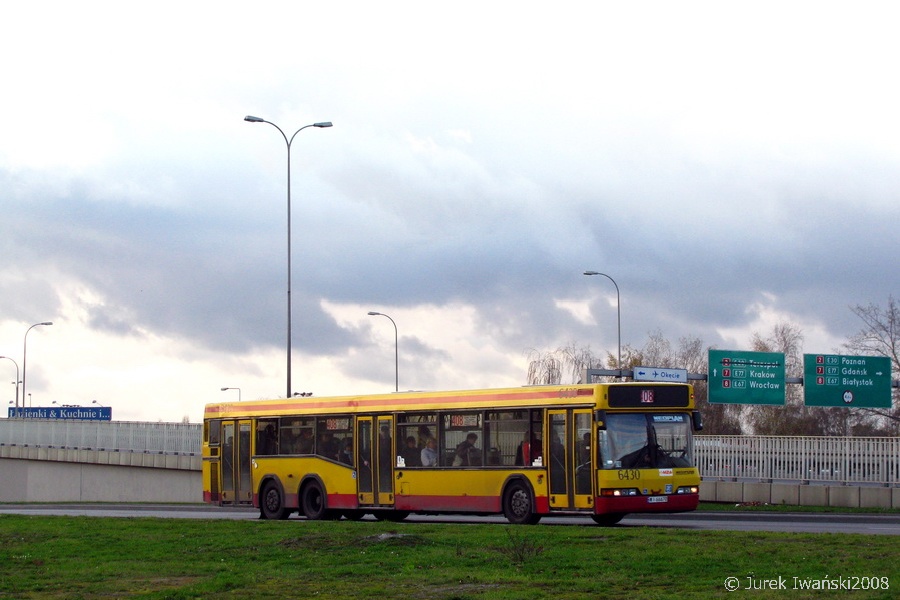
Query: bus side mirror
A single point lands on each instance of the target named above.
(697, 420)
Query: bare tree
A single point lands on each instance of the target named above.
(789, 419)
(544, 368)
(880, 336)
(794, 418)
(576, 360)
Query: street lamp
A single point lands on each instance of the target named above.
(252, 119)
(225, 389)
(17, 380)
(618, 312)
(396, 350)
(24, 347)
(97, 403)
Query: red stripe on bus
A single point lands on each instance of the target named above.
(399, 401)
(342, 501)
(451, 504)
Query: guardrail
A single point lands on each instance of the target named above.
(838, 460)
(109, 436)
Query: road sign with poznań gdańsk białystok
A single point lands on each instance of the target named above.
(848, 381)
(739, 377)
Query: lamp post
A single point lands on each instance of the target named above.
(24, 348)
(252, 119)
(17, 380)
(618, 313)
(396, 350)
(225, 389)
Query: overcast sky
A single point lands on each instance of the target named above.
(731, 165)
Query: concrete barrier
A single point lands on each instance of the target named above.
(847, 497)
(56, 481)
(32, 474)
(793, 494)
(785, 493)
(875, 497)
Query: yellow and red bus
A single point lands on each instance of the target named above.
(602, 450)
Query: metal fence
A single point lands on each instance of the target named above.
(837, 460)
(112, 436)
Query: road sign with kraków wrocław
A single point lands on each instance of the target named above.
(738, 377)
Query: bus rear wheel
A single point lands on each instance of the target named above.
(313, 502)
(271, 505)
(518, 505)
(608, 520)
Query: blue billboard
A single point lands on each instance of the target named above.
(71, 413)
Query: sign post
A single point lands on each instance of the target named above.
(660, 374)
(64, 412)
(739, 377)
(848, 381)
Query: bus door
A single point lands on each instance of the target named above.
(570, 458)
(385, 451)
(375, 457)
(365, 487)
(237, 486)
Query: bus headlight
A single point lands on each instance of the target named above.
(614, 493)
(688, 489)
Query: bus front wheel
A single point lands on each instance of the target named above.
(272, 504)
(394, 516)
(608, 520)
(518, 505)
(313, 502)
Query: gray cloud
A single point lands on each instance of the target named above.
(491, 176)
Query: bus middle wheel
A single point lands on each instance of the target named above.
(518, 505)
(313, 502)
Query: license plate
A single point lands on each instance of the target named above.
(657, 499)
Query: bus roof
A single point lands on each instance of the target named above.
(527, 396)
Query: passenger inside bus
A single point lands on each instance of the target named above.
(429, 454)
(328, 446)
(424, 435)
(347, 452)
(306, 441)
(529, 450)
(267, 442)
(466, 453)
(412, 456)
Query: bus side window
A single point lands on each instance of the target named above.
(267, 438)
(214, 432)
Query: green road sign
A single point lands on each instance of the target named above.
(737, 377)
(850, 381)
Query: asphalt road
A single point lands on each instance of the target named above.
(864, 523)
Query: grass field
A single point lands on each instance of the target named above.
(86, 557)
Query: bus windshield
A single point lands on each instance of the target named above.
(645, 441)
